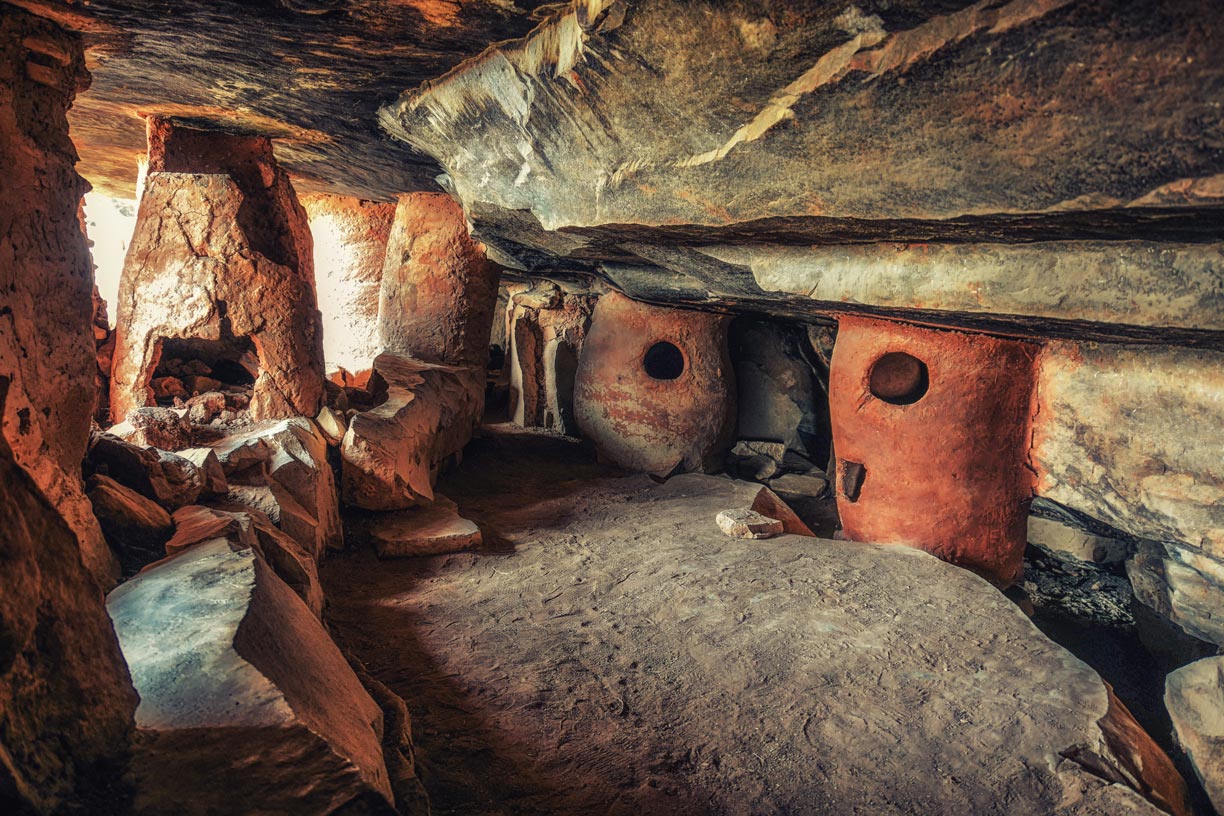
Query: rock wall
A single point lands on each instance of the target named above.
(350, 245)
(222, 250)
(66, 702)
(655, 389)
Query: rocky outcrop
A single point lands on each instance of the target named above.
(655, 390)
(546, 328)
(350, 245)
(766, 137)
(221, 262)
(438, 289)
(392, 453)
(1130, 436)
(245, 702)
(66, 701)
(1194, 696)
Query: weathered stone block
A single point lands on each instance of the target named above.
(1194, 696)
(245, 702)
(392, 453)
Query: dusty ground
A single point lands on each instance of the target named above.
(613, 652)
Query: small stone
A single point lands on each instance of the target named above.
(756, 468)
(755, 447)
(167, 387)
(162, 428)
(432, 530)
(794, 484)
(332, 425)
(203, 408)
(205, 459)
(196, 384)
(745, 522)
(181, 482)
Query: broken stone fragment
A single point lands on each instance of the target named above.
(1194, 697)
(181, 482)
(251, 528)
(166, 388)
(795, 484)
(745, 522)
(135, 527)
(332, 424)
(432, 530)
(1069, 542)
(281, 469)
(1182, 584)
(154, 427)
(211, 472)
(245, 702)
(392, 453)
(204, 408)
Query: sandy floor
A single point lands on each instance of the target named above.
(612, 652)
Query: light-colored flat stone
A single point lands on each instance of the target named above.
(1194, 696)
(745, 522)
(246, 705)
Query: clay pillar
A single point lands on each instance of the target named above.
(221, 253)
(66, 703)
(547, 330)
(438, 289)
(350, 245)
(655, 390)
(931, 434)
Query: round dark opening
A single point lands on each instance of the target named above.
(899, 378)
(663, 361)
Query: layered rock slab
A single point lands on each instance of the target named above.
(245, 702)
(659, 664)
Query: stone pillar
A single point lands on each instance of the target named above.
(547, 328)
(66, 701)
(438, 289)
(350, 245)
(222, 252)
(931, 434)
(655, 390)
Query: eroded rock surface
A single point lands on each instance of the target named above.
(66, 701)
(245, 702)
(832, 678)
(1194, 695)
(546, 328)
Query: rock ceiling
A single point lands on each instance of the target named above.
(310, 73)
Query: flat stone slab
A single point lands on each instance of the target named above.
(744, 522)
(627, 651)
(246, 704)
(433, 530)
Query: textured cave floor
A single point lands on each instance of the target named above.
(520, 486)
